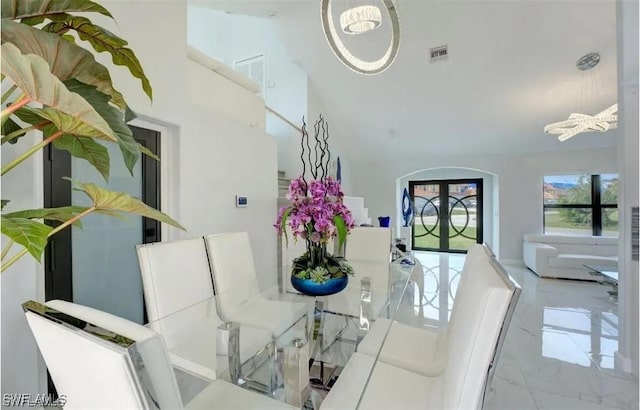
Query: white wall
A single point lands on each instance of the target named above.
(234, 37)
(210, 160)
(217, 156)
(225, 161)
(210, 31)
(212, 91)
(336, 134)
(22, 369)
(520, 185)
(628, 308)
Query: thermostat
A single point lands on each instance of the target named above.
(241, 201)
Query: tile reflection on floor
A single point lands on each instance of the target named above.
(559, 350)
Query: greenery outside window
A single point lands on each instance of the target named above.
(581, 204)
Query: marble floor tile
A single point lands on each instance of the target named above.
(560, 346)
(551, 401)
(560, 377)
(615, 392)
(509, 370)
(508, 396)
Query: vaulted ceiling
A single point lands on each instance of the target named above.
(510, 71)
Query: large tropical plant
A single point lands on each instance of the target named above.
(56, 86)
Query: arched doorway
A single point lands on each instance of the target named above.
(447, 214)
(486, 207)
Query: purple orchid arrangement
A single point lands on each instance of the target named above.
(317, 212)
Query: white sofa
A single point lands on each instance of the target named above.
(564, 256)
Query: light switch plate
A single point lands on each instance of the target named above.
(241, 201)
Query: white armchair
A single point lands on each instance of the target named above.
(101, 361)
(238, 296)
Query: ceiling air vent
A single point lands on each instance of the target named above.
(438, 53)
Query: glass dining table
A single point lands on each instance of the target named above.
(289, 358)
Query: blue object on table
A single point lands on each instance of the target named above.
(407, 207)
(311, 288)
(384, 221)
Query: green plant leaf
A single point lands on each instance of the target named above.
(146, 151)
(341, 227)
(11, 126)
(71, 124)
(101, 40)
(70, 39)
(283, 224)
(129, 115)
(104, 200)
(30, 21)
(28, 114)
(19, 9)
(87, 149)
(61, 214)
(65, 60)
(68, 111)
(114, 117)
(30, 234)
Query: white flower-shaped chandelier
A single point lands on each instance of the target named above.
(577, 123)
(603, 121)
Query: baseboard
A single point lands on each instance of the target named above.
(622, 362)
(513, 262)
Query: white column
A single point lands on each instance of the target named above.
(628, 310)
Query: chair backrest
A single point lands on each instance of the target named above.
(233, 270)
(369, 244)
(476, 251)
(175, 275)
(483, 314)
(101, 361)
(467, 277)
(377, 272)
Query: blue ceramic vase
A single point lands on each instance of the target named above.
(317, 256)
(311, 288)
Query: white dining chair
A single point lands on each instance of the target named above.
(369, 244)
(421, 349)
(100, 361)
(368, 251)
(178, 294)
(238, 296)
(474, 344)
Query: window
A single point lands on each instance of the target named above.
(581, 204)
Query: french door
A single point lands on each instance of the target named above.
(447, 214)
(96, 265)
